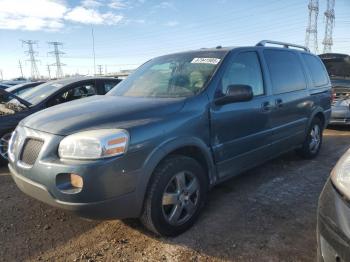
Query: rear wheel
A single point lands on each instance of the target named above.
(4, 142)
(313, 140)
(175, 196)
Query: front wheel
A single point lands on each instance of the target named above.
(175, 196)
(313, 140)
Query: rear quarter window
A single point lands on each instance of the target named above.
(286, 71)
(319, 75)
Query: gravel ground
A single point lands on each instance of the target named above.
(266, 214)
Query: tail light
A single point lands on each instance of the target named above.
(333, 96)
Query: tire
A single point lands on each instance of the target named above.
(175, 197)
(313, 141)
(4, 139)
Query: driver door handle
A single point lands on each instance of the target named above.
(266, 106)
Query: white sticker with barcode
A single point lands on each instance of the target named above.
(203, 60)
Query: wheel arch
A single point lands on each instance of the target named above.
(188, 146)
(319, 113)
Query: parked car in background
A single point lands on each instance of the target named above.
(13, 108)
(15, 81)
(4, 86)
(180, 124)
(338, 67)
(333, 223)
(20, 88)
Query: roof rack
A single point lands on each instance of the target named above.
(285, 45)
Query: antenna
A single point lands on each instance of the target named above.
(311, 29)
(34, 69)
(328, 36)
(57, 53)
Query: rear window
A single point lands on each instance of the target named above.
(318, 73)
(285, 71)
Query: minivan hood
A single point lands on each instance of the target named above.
(101, 112)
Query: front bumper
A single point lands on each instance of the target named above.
(333, 226)
(119, 207)
(110, 185)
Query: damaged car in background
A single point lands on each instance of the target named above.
(338, 67)
(14, 108)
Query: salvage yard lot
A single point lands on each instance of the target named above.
(267, 214)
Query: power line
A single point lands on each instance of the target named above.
(31, 53)
(57, 53)
(311, 29)
(328, 36)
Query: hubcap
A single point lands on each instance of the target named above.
(315, 140)
(180, 198)
(4, 143)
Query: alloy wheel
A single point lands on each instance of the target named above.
(4, 143)
(180, 198)
(315, 138)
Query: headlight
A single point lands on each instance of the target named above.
(341, 174)
(94, 144)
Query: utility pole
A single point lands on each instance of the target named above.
(105, 69)
(311, 29)
(328, 36)
(99, 69)
(20, 68)
(56, 52)
(31, 53)
(93, 48)
(2, 77)
(49, 71)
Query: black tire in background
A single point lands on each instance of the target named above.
(313, 141)
(175, 196)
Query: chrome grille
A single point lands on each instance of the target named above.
(31, 150)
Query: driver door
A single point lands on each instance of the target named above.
(241, 130)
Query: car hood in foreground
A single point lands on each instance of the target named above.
(101, 112)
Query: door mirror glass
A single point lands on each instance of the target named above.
(236, 93)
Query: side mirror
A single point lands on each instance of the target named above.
(236, 93)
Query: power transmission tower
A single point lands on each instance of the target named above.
(57, 53)
(311, 29)
(34, 69)
(328, 36)
(99, 69)
(49, 71)
(20, 68)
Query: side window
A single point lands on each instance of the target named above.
(285, 71)
(318, 73)
(108, 85)
(244, 69)
(77, 92)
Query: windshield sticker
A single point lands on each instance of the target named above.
(202, 60)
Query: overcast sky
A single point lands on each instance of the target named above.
(129, 32)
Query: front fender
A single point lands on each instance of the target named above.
(160, 152)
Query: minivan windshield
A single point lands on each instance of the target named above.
(172, 76)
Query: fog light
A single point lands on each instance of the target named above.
(69, 183)
(76, 181)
